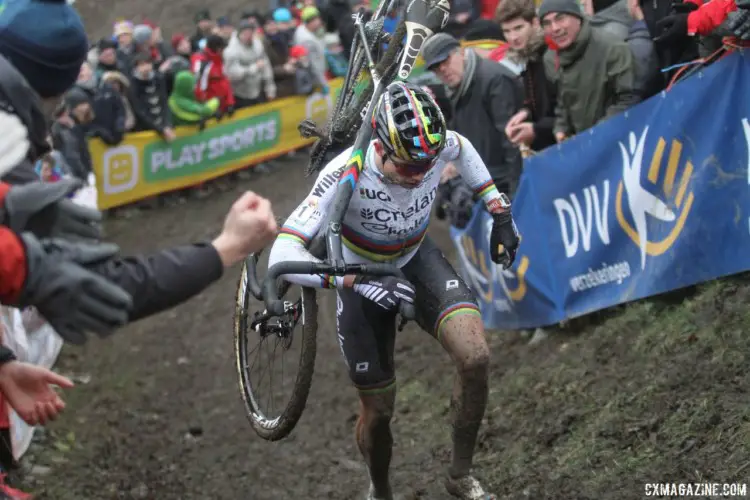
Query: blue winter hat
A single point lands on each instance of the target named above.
(45, 41)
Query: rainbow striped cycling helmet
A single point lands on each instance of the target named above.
(409, 123)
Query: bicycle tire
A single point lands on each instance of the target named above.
(281, 426)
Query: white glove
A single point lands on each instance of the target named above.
(14, 141)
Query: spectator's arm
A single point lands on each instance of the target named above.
(621, 79)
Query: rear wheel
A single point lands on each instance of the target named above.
(273, 411)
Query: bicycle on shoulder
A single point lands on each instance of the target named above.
(373, 250)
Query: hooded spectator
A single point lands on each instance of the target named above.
(178, 61)
(594, 74)
(310, 34)
(117, 86)
(110, 113)
(532, 126)
(248, 67)
(148, 98)
(204, 25)
(208, 66)
(42, 47)
(185, 108)
(485, 95)
(69, 132)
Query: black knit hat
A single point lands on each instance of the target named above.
(571, 7)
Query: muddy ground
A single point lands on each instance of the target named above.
(655, 392)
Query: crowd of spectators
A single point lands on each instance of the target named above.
(137, 79)
(566, 66)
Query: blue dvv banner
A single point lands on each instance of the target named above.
(652, 200)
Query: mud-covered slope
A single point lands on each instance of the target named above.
(654, 393)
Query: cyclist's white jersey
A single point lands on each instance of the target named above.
(384, 222)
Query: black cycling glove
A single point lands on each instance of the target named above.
(44, 209)
(71, 298)
(385, 291)
(503, 239)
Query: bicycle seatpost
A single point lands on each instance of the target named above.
(423, 18)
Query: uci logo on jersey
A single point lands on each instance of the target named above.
(371, 194)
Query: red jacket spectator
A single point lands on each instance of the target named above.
(12, 260)
(709, 15)
(208, 67)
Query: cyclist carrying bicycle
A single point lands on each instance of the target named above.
(387, 222)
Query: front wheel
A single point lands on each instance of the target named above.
(274, 337)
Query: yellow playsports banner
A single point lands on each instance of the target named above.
(144, 165)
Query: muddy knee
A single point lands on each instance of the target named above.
(475, 361)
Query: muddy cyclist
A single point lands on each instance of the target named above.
(387, 222)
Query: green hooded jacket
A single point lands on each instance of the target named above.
(185, 108)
